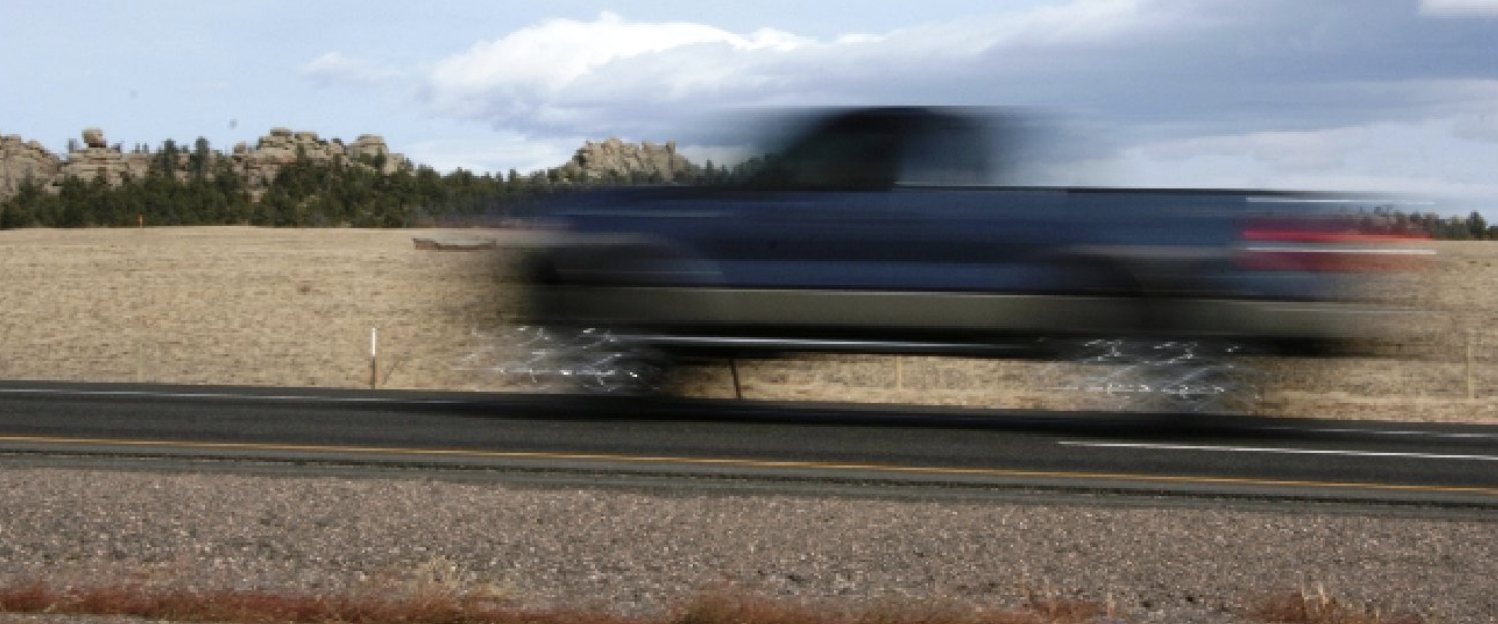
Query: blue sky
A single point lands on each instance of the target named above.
(1367, 95)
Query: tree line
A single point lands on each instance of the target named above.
(308, 192)
(1388, 220)
(304, 193)
(329, 193)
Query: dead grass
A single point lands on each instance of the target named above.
(444, 592)
(1317, 607)
(245, 607)
(430, 596)
(448, 601)
(381, 604)
(252, 306)
(730, 607)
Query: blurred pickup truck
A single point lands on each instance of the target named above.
(873, 231)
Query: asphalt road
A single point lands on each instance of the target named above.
(704, 442)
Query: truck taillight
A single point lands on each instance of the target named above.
(1317, 246)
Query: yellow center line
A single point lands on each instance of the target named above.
(749, 463)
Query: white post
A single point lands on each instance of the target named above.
(1471, 365)
(374, 357)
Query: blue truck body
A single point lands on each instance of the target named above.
(838, 249)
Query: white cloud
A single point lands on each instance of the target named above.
(1083, 22)
(335, 68)
(617, 76)
(1275, 65)
(556, 69)
(494, 154)
(1459, 8)
(1291, 88)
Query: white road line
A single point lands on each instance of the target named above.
(1413, 433)
(230, 395)
(1274, 450)
(1402, 433)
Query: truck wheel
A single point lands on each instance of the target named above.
(1144, 375)
(546, 358)
(1207, 380)
(601, 362)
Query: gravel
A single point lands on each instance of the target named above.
(642, 552)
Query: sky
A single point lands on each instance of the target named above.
(1344, 95)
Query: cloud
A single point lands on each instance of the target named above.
(555, 72)
(1174, 65)
(1290, 87)
(334, 68)
(568, 76)
(494, 154)
(1459, 8)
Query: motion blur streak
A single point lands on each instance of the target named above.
(900, 229)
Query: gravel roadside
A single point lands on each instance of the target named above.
(641, 552)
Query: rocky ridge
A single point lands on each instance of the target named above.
(608, 161)
(614, 160)
(22, 161)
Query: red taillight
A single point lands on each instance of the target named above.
(1321, 246)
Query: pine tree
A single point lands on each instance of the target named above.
(200, 159)
(1477, 227)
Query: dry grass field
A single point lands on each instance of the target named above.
(250, 306)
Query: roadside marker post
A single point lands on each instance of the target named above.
(1471, 364)
(374, 357)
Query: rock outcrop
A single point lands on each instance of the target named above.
(282, 147)
(615, 160)
(97, 159)
(609, 161)
(94, 137)
(21, 160)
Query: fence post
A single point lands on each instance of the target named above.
(1471, 365)
(374, 357)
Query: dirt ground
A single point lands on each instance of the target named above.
(251, 306)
